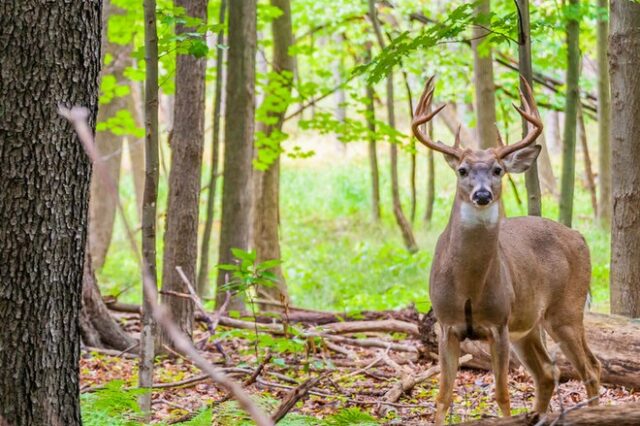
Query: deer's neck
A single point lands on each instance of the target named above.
(473, 245)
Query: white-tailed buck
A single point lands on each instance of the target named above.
(505, 280)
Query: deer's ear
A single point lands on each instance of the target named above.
(452, 161)
(519, 161)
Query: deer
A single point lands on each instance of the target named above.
(505, 281)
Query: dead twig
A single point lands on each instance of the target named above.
(293, 397)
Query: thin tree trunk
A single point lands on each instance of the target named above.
(373, 151)
(49, 55)
(555, 141)
(570, 119)
(412, 147)
(403, 223)
(203, 273)
(485, 104)
(181, 234)
(604, 121)
(431, 180)
(149, 205)
(588, 170)
(235, 228)
(266, 223)
(136, 146)
(97, 327)
(102, 210)
(624, 62)
(532, 182)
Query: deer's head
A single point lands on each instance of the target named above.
(480, 172)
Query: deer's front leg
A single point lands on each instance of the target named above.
(500, 364)
(449, 352)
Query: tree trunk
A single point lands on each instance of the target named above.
(50, 55)
(624, 62)
(588, 171)
(403, 223)
(237, 196)
(203, 272)
(97, 327)
(614, 340)
(412, 148)
(373, 151)
(450, 119)
(149, 206)
(431, 179)
(555, 141)
(136, 146)
(532, 182)
(604, 120)
(612, 415)
(570, 119)
(266, 223)
(181, 234)
(102, 210)
(483, 79)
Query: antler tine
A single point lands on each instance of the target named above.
(531, 115)
(500, 141)
(421, 116)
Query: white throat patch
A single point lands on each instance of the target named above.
(471, 215)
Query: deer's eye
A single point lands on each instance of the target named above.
(497, 171)
(462, 172)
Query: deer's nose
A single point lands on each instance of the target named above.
(482, 197)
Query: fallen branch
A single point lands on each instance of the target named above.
(293, 397)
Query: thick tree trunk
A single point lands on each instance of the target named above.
(203, 272)
(604, 121)
(612, 415)
(613, 339)
(401, 220)
(181, 234)
(266, 223)
(50, 55)
(102, 209)
(149, 205)
(373, 151)
(570, 120)
(235, 228)
(624, 62)
(483, 79)
(97, 327)
(532, 182)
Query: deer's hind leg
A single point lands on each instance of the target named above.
(570, 337)
(533, 354)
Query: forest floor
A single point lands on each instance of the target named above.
(351, 390)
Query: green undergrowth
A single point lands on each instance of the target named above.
(335, 256)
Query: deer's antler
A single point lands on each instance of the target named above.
(422, 115)
(531, 115)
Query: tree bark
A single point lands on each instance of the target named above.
(97, 327)
(612, 415)
(181, 233)
(483, 79)
(149, 205)
(136, 146)
(266, 223)
(570, 119)
(624, 62)
(373, 151)
(50, 55)
(431, 180)
(203, 272)
(532, 182)
(237, 195)
(604, 120)
(401, 220)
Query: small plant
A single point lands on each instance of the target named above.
(113, 405)
(247, 273)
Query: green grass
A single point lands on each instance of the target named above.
(335, 256)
